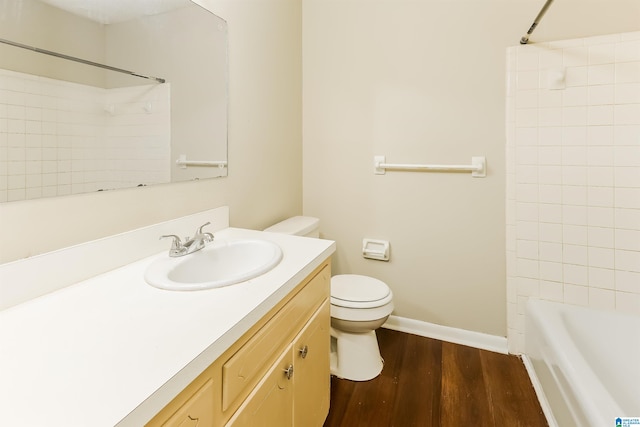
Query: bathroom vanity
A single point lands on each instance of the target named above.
(112, 350)
(277, 373)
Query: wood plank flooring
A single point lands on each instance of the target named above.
(430, 383)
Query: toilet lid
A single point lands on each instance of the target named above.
(350, 290)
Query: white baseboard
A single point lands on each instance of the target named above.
(542, 398)
(446, 333)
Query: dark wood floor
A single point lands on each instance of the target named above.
(430, 383)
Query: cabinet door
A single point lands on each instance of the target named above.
(270, 403)
(197, 411)
(312, 380)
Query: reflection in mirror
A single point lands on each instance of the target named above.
(68, 126)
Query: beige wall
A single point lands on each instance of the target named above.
(422, 81)
(63, 32)
(265, 171)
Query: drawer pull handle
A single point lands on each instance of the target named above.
(288, 372)
(303, 351)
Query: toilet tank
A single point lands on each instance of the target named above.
(306, 226)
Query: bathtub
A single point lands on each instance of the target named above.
(586, 363)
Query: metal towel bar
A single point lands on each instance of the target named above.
(478, 167)
(183, 162)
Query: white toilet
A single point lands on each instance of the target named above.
(359, 305)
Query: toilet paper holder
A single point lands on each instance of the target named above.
(375, 249)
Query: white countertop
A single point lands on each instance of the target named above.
(113, 350)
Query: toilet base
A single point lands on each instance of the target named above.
(355, 356)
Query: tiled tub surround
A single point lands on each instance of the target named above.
(60, 138)
(117, 350)
(573, 175)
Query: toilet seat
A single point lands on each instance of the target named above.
(356, 291)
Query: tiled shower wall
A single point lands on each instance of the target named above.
(60, 138)
(573, 175)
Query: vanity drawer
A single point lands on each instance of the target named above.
(242, 371)
(196, 411)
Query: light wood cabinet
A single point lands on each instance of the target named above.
(277, 374)
(197, 410)
(295, 391)
(311, 365)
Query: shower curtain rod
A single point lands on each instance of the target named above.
(525, 38)
(82, 61)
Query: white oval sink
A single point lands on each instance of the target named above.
(219, 264)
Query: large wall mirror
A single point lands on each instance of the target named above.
(98, 95)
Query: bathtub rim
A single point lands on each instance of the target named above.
(542, 320)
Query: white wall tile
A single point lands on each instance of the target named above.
(576, 56)
(574, 116)
(575, 235)
(601, 196)
(549, 117)
(550, 98)
(627, 198)
(527, 193)
(627, 218)
(602, 95)
(626, 93)
(526, 136)
(551, 136)
(627, 135)
(574, 215)
(550, 194)
(527, 249)
(574, 195)
(574, 96)
(600, 135)
(551, 271)
(550, 232)
(602, 54)
(527, 98)
(550, 156)
(574, 156)
(626, 156)
(602, 74)
(600, 217)
(600, 176)
(601, 237)
(574, 254)
(551, 291)
(602, 299)
(526, 211)
(550, 252)
(527, 80)
(627, 51)
(550, 213)
(526, 287)
(527, 230)
(627, 239)
(628, 302)
(574, 175)
(574, 135)
(576, 295)
(627, 281)
(627, 72)
(600, 115)
(527, 174)
(601, 257)
(527, 268)
(626, 114)
(602, 278)
(627, 260)
(583, 219)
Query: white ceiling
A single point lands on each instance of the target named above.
(113, 11)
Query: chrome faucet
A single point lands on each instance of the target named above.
(191, 245)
